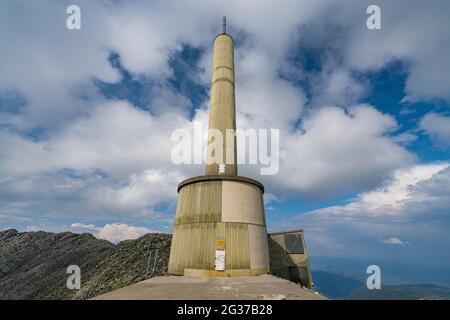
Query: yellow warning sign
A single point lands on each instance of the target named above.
(220, 243)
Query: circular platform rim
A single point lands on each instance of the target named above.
(220, 177)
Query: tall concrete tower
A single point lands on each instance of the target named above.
(220, 226)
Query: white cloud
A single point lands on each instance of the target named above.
(149, 188)
(265, 100)
(400, 191)
(339, 151)
(424, 48)
(48, 63)
(394, 241)
(413, 204)
(32, 228)
(120, 157)
(405, 138)
(114, 232)
(119, 140)
(334, 86)
(82, 225)
(116, 138)
(438, 127)
(123, 153)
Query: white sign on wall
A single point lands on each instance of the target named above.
(220, 260)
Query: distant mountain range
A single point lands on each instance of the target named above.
(393, 272)
(333, 285)
(402, 292)
(341, 286)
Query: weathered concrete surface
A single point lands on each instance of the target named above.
(222, 111)
(208, 210)
(261, 287)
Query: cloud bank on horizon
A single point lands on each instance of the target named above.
(86, 116)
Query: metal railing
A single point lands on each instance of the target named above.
(154, 262)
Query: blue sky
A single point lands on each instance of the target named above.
(86, 117)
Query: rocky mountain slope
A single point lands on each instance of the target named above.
(33, 265)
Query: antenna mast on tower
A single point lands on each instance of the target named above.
(224, 24)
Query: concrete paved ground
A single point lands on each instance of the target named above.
(203, 288)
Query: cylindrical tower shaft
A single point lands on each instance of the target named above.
(221, 153)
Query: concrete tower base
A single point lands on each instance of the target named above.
(219, 216)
